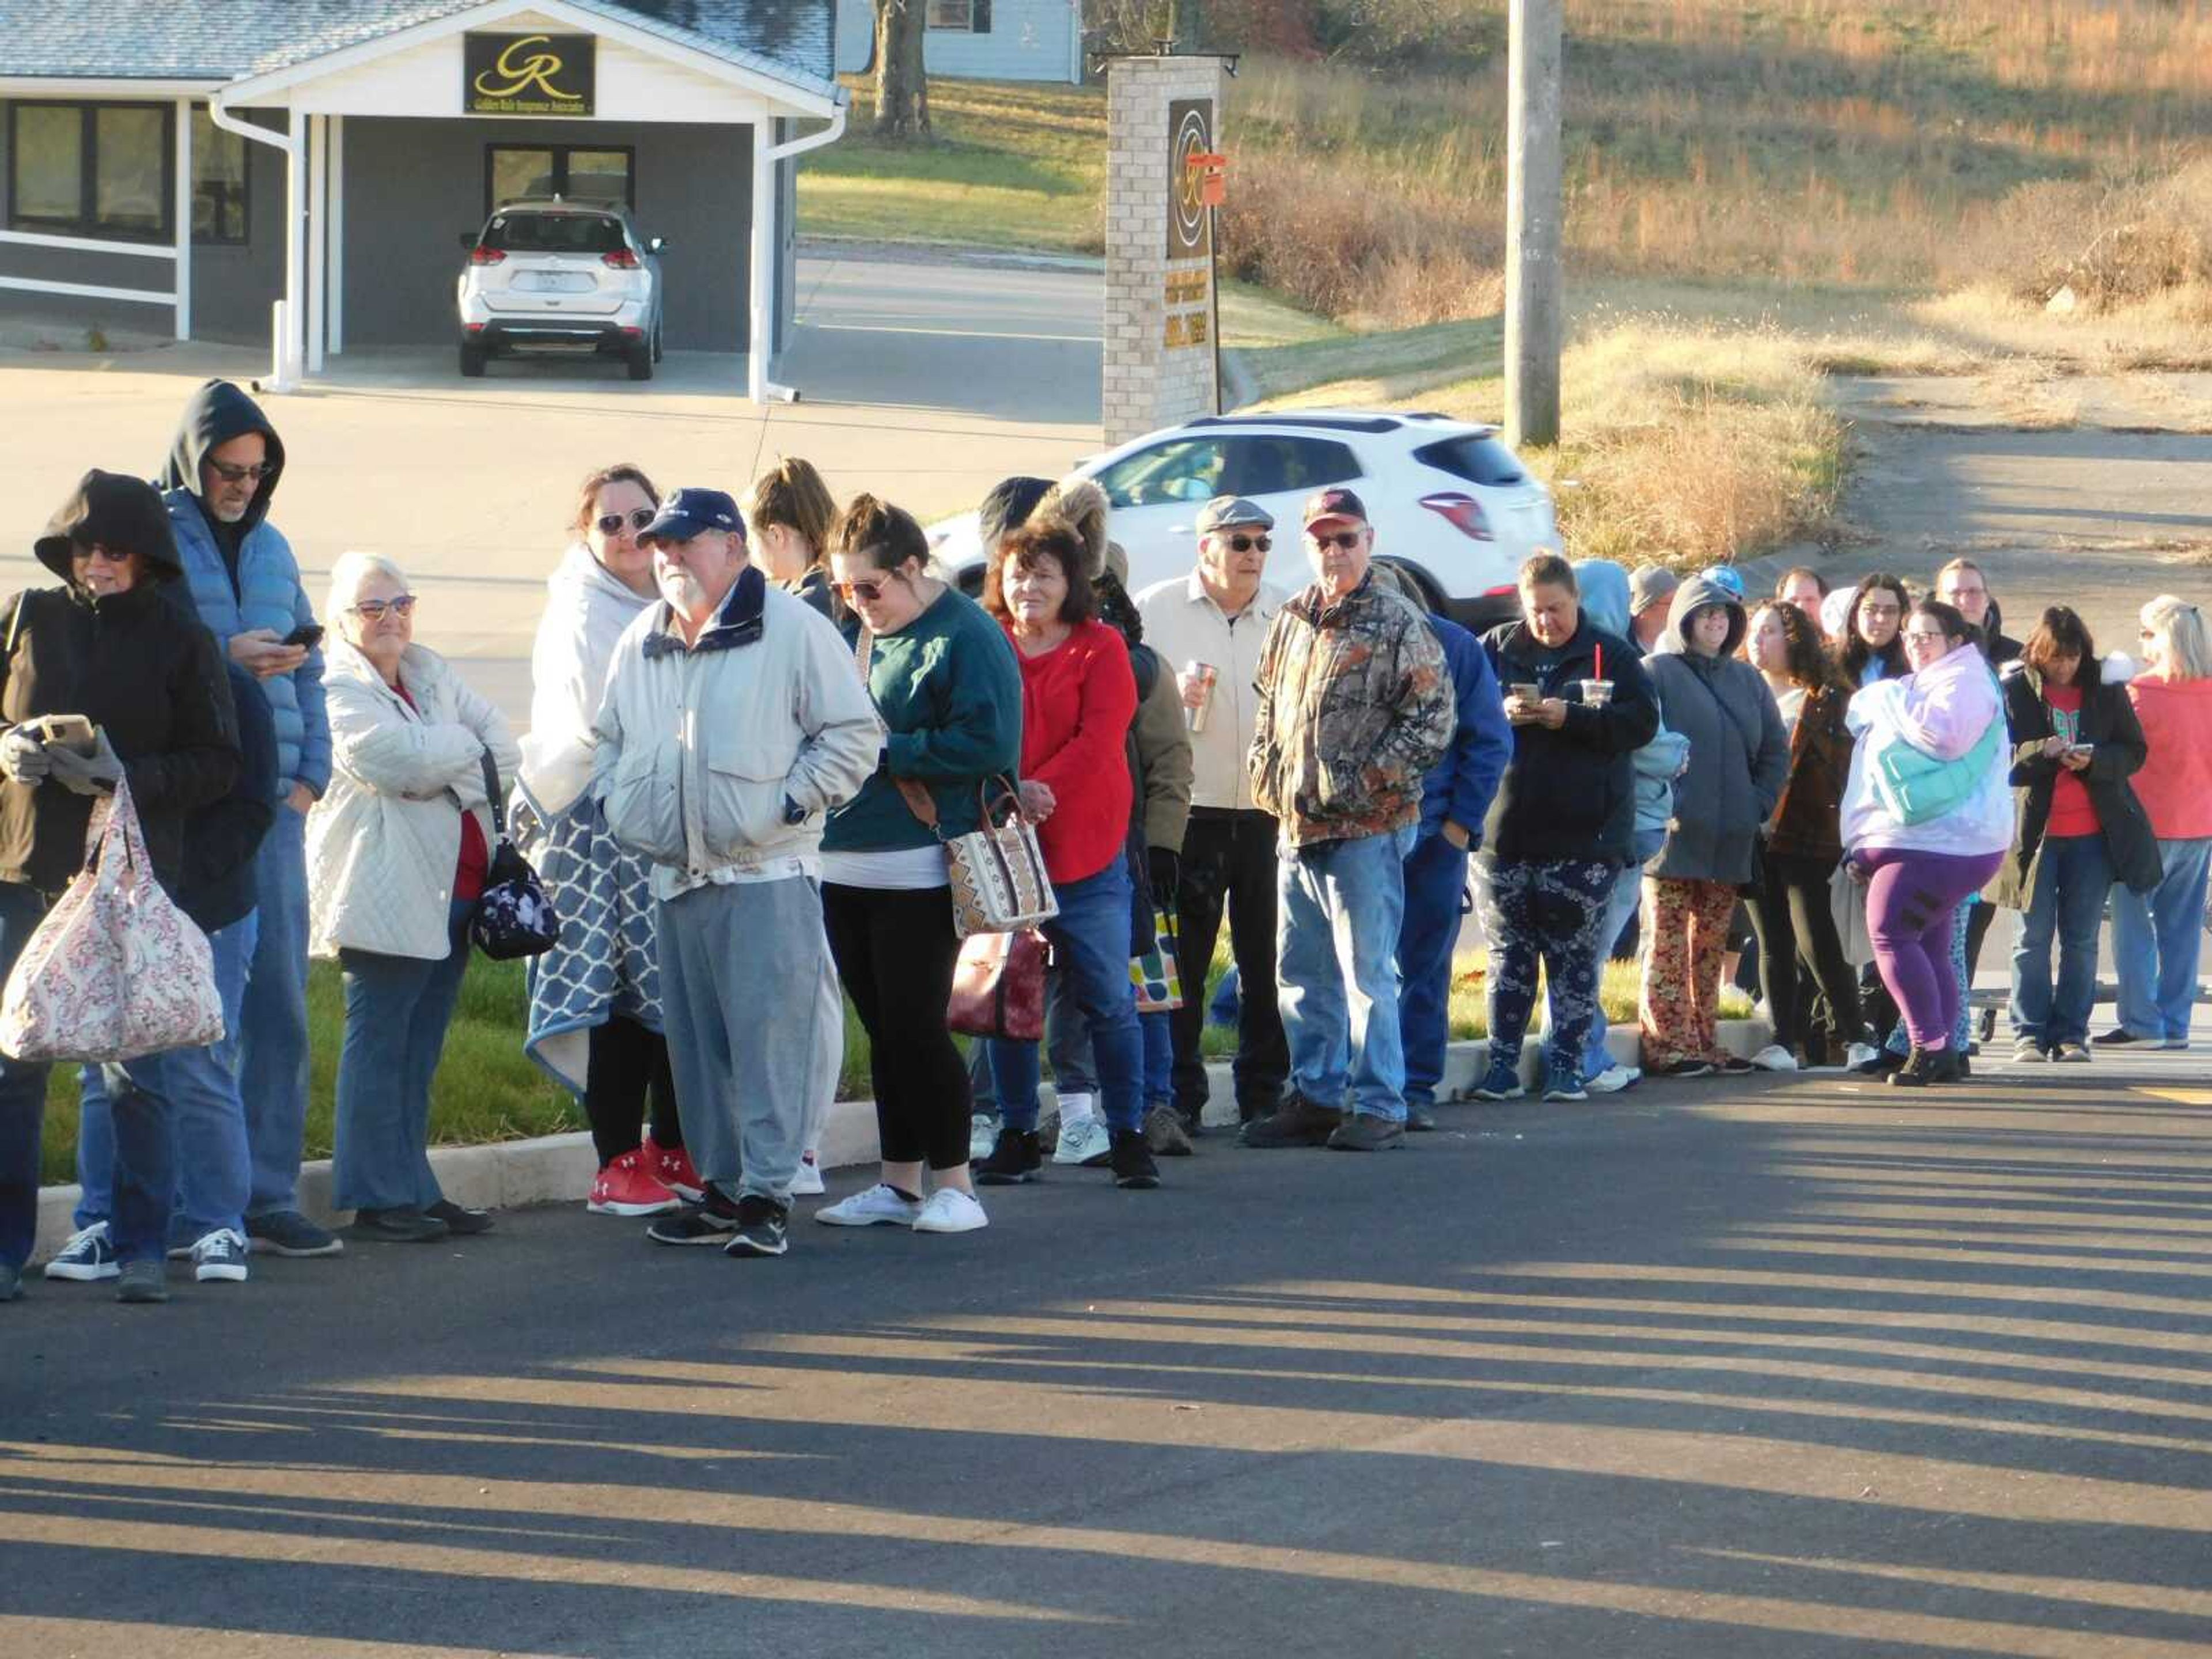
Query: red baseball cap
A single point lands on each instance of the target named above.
(1326, 504)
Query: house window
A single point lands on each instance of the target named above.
(90, 169)
(966, 17)
(219, 165)
(521, 173)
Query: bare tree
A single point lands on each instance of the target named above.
(902, 82)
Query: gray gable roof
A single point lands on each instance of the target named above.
(223, 40)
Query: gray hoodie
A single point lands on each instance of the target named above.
(1604, 590)
(1739, 753)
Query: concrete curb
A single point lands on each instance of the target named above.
(559, 1168)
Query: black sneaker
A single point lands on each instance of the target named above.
(1922, 1067)
(708, 1222)
(1420, 1120)
(762, 1229)
(289, 1233)
(1885, 1060)
(402, 1226)
(1015, 1159)
(1296, 1122)
(1131, 1160)
(1166, 1133)
(460, 1220)
(1364, 1132)
(2118, 1037)
(1685, 1068)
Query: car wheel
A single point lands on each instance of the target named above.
(640, 361)
(658, 354)
(472, 362)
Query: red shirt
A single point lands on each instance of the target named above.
(2072, 812)
(476, 857)
(1078, 700)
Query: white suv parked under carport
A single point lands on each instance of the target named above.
(1451, 505)
(566, 278)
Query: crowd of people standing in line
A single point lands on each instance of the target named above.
(753, 730)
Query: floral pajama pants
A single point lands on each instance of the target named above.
(1547, 916)
(1686, 932)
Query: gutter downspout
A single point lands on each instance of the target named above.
(762, 327)
(292, 142)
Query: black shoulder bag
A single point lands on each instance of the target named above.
(513, 917)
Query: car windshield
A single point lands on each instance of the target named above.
(553, 233)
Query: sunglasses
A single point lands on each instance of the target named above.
(374, 610)
(869, 592)
(230, 474)
(1250, 543)
(113, 555)
(1347, 539)
(612, 523)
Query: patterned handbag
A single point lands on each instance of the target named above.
(115, 969)
(1157, 980)
(513, 917)
(996, 872)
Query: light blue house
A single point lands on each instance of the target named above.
(979, 40)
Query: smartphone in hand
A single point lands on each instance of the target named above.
(309, 634)
(71, 732)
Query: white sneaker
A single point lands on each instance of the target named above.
(1084, 1141)
(982, 1136)
(879, 1207)
(951, 1210)
(1615, 1078)
(219, 1257)
(1775, 1058)
(1860, 1054)
(807, 1183)
(87, 1257)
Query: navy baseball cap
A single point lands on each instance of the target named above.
(684, 513)
(1324, 505)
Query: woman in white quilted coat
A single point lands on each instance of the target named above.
(396, 852)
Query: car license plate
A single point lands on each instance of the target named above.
(554, 282)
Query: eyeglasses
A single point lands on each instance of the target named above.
(374, 610)
(868, 593)
(230, 474)
(1879, 611)
(106, 555)
(1924, 638)
(1347, 539)
(1250, 543)
(612, 523)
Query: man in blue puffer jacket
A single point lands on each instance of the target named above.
(223, 467)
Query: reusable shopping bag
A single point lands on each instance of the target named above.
(115, 970)
(1158, 982)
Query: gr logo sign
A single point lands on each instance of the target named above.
(1190, 133)
(529, 74)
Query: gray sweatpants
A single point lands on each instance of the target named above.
(754, 1043)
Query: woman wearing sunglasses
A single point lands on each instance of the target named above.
(595, 997)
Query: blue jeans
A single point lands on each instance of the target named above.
(208, 1119)
(1619, 905)
(1067, 1046)
(1339, 909)
(1436, 904)
(2156, 937)
(397, 1009)
(1091, 942)
(144, 1177)
(272, 1028)
(2072, 875)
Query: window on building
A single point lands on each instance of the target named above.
(519, 173)
(966, 17)
(90, 169)
(219, 166)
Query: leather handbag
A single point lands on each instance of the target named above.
(115, 970)
(998, 987)
(996, 872)
(513, 917)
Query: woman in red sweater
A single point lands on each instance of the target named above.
(1077, 699)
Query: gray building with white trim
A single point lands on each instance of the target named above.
(154, 154)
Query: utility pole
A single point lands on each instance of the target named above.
(1534, 209)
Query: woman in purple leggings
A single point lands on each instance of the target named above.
(1926, 816)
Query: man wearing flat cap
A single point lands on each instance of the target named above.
(731, 723)
(1210, 627)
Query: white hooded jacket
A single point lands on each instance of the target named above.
(587, 609)
(1944, 710)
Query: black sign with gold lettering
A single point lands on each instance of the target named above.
(1190, 133)
(528, 74)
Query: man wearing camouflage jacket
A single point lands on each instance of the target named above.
(1355, 707)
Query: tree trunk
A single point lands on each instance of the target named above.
(902, 84)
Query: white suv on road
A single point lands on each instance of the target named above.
(566, 277)
(1452, 505)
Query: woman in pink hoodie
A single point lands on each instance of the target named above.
(2156, 935)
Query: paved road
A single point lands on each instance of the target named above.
(1722, 1370)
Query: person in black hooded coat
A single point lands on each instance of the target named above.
(109, 646)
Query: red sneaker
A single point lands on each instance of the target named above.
(672, 1167)
(624, 1188)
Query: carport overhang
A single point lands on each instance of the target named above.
(658, 74)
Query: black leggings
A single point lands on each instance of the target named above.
(1791, 914)
(628, 1064)
(896, 951)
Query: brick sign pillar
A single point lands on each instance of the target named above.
(1159, 366)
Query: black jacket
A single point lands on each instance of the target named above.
(139, 666)
(1570, 795)
(2108, 721)
(221, 838)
